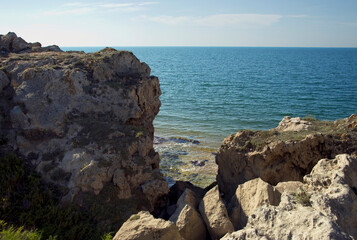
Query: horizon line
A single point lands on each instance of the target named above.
(211, 46)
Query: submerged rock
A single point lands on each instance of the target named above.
(199, 163)
(183, 140)
(85, 122)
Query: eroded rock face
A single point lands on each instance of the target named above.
(143, 226)
(325, 207)
(187, 219)
(214, 214)
(333, 187)
(84, 121)
(280, 155)
(249, 196)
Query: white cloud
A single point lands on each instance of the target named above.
(170, 20)
(75, 4)
(220, 20)
(242, 20)
(147, 3)
(82, 8)
(116, 5)
(68, 11)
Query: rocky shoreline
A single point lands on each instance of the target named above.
(297, 181)
(84, 124)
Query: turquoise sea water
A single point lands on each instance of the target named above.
(211, 92)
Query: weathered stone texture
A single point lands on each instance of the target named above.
(84, 121)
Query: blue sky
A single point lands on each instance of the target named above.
(284, 23)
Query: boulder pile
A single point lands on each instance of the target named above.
(286, 183)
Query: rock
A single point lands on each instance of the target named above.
(293, 124)
(10, 43)
(35, 47)
(326, 207)
(188, 221)
(288, 221)
(214, 214)
(85, 122)
(248, 197)
(184, 140)
(333, 184)
(4, 80)
(274, 157)
(289, 187)
(6, 41)
(18, 45)
(52, 48)
(180, 187)
(143, 226)
(159, 140)
(199, 163)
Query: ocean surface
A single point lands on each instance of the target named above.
(209, 93)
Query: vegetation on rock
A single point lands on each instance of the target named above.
(28, 203)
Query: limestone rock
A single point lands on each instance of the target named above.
(248, 197)
(328, 210)
(293, 124)
(187, 219)
(214, 214)
(288, 221)
(180, 187)
(143, 226)
(289, 187)
(333, 183)
(274, 157)
(85, 122)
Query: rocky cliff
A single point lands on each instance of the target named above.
(286, 153)
(84, 122)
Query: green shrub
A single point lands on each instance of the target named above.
(12, 233)
(27, 203)
(303, 198)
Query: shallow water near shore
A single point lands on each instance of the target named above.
(211, 92)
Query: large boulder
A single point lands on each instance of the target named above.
(85, 123)
(18, 45)
(324, 207)
(288, 221)
(249, 196)
(143, 226)
(215, 214)
(6, 41)
(333, 184)
(280, 155)
(187, 219)
(293, 124)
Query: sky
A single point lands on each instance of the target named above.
(270, 23)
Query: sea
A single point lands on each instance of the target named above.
(209, 93)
